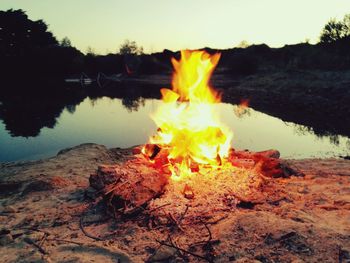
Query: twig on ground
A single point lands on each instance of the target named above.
(31, 242)
(81, 224)
(66, 241)
(183, 250)
(208, 246)
(156, 208)
(99, 221)
(217, 220)
(184, 213)
(43, 239)
(176, 223)
(208, 229)
(33, 229)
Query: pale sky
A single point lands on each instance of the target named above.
(178, 24)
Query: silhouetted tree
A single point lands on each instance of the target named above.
(28, 49)
(130, 47)
(131, 51)
(90, 52)
(65, 42)
(18, 33)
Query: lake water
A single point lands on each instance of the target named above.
(107, 121)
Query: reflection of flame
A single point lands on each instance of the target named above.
(244, 103)
(128, 70)
(242, 108)
(188, 125)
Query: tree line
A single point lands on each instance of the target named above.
(28, 50)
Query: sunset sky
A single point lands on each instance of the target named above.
(160, 24)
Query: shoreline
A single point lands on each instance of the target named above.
(44, 200)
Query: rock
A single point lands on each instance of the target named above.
(5, 239)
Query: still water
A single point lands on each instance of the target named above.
(107, 121)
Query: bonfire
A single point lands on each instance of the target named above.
(188, 176)
(189, 129)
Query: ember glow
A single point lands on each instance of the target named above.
(188, 126)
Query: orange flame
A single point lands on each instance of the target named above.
(189, 127)
(242, 108)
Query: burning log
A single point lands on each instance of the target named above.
(266, 162)
(127, 187)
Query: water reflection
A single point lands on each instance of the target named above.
(304, 130)
(241, 111)
(133, 104)
(26, 115)
(123, 122)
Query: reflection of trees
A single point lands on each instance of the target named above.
(93, 101)
(26, 117)
(300, 129)
(334, 139)
(133, 104)
(26, 114)
(71, 108)
(348, 144)
(305, 130)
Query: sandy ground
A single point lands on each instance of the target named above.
(304, 219)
